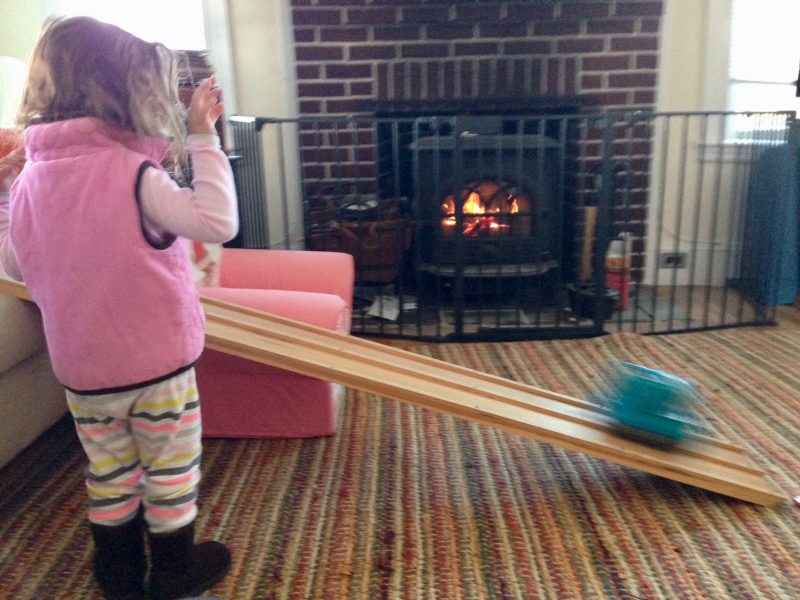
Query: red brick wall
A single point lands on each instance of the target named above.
(351, 53)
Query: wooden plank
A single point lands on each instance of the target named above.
(567, 422)
(15, 288)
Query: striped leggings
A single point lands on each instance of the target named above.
(144, 446)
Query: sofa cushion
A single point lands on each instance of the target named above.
(31, 400)
(22, 331)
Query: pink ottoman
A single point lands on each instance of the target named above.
(242, 398)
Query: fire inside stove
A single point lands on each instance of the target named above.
(489, 208)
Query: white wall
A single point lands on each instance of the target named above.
(695, 181)
(263, 58)
(19, 27)
(693, 71)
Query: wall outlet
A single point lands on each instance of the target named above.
(672, 260)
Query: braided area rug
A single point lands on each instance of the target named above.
(405, 503)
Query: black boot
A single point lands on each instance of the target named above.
(119, 561)
(180, 568)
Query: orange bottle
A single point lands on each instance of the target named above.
(618, 268)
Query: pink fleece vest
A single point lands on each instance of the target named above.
(118, 312)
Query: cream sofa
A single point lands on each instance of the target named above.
(31, 400)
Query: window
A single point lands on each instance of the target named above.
(765, 55)
(178, 24)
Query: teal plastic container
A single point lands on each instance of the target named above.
(652, 401)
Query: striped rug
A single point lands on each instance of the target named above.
(404, 503)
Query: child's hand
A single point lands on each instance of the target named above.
(205, 108)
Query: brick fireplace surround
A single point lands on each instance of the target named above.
(353, 53)
(401, 59)
(367, 58)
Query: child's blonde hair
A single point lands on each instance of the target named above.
(82, 67)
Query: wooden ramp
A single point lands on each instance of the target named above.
(704, 462)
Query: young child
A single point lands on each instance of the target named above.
(98, 231)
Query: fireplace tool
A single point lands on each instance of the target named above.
(583, 294)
